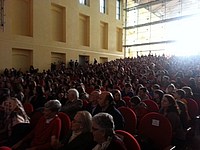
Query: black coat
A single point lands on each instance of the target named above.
(117, 116)
(83, 141)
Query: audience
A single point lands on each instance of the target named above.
(153, 73)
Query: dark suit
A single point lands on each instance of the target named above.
(115, 113)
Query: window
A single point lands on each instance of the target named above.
(104, 35)
(84, 2)
(118, 9)
(58, 23)
(102, 6)
(84, 30)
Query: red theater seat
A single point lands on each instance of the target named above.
(130, 119)
(157, 129)
(151, 105)
(65, 124)
(193, 108)
(130, 142)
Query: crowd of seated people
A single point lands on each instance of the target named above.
(104, 87)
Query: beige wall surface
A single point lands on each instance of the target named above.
(46, 30)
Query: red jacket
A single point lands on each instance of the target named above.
(44, 131)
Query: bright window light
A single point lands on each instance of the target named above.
(186, 34)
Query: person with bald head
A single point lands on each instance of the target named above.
(107, 105)
(93, 102)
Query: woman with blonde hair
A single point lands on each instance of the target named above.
(80, 137)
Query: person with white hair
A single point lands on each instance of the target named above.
(46, 132)
(73, 104)
(80, 137)
(103, 132)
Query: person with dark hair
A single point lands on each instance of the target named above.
(170, 89)
(4, 94)
(127, 91)
(157, 96)
(179, 96)
(39, 99)
(153, 88)
(179, 82)
(46, 132)
(165, 82)
(76, 63)
(170, 109)
(103, 128)
(119, 102)
(95, 61)
(193, 85)
(107, 104)
(71, 63)
(135, 101)
(188, 92)
(143, 93)
(139, 107)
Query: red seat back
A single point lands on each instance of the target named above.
(130, 119)
(157, 129)
(65, 124)
(127, 100)
(5, 148)
(28, 107)
(130, 142)
(193, 108)
(152, 106)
